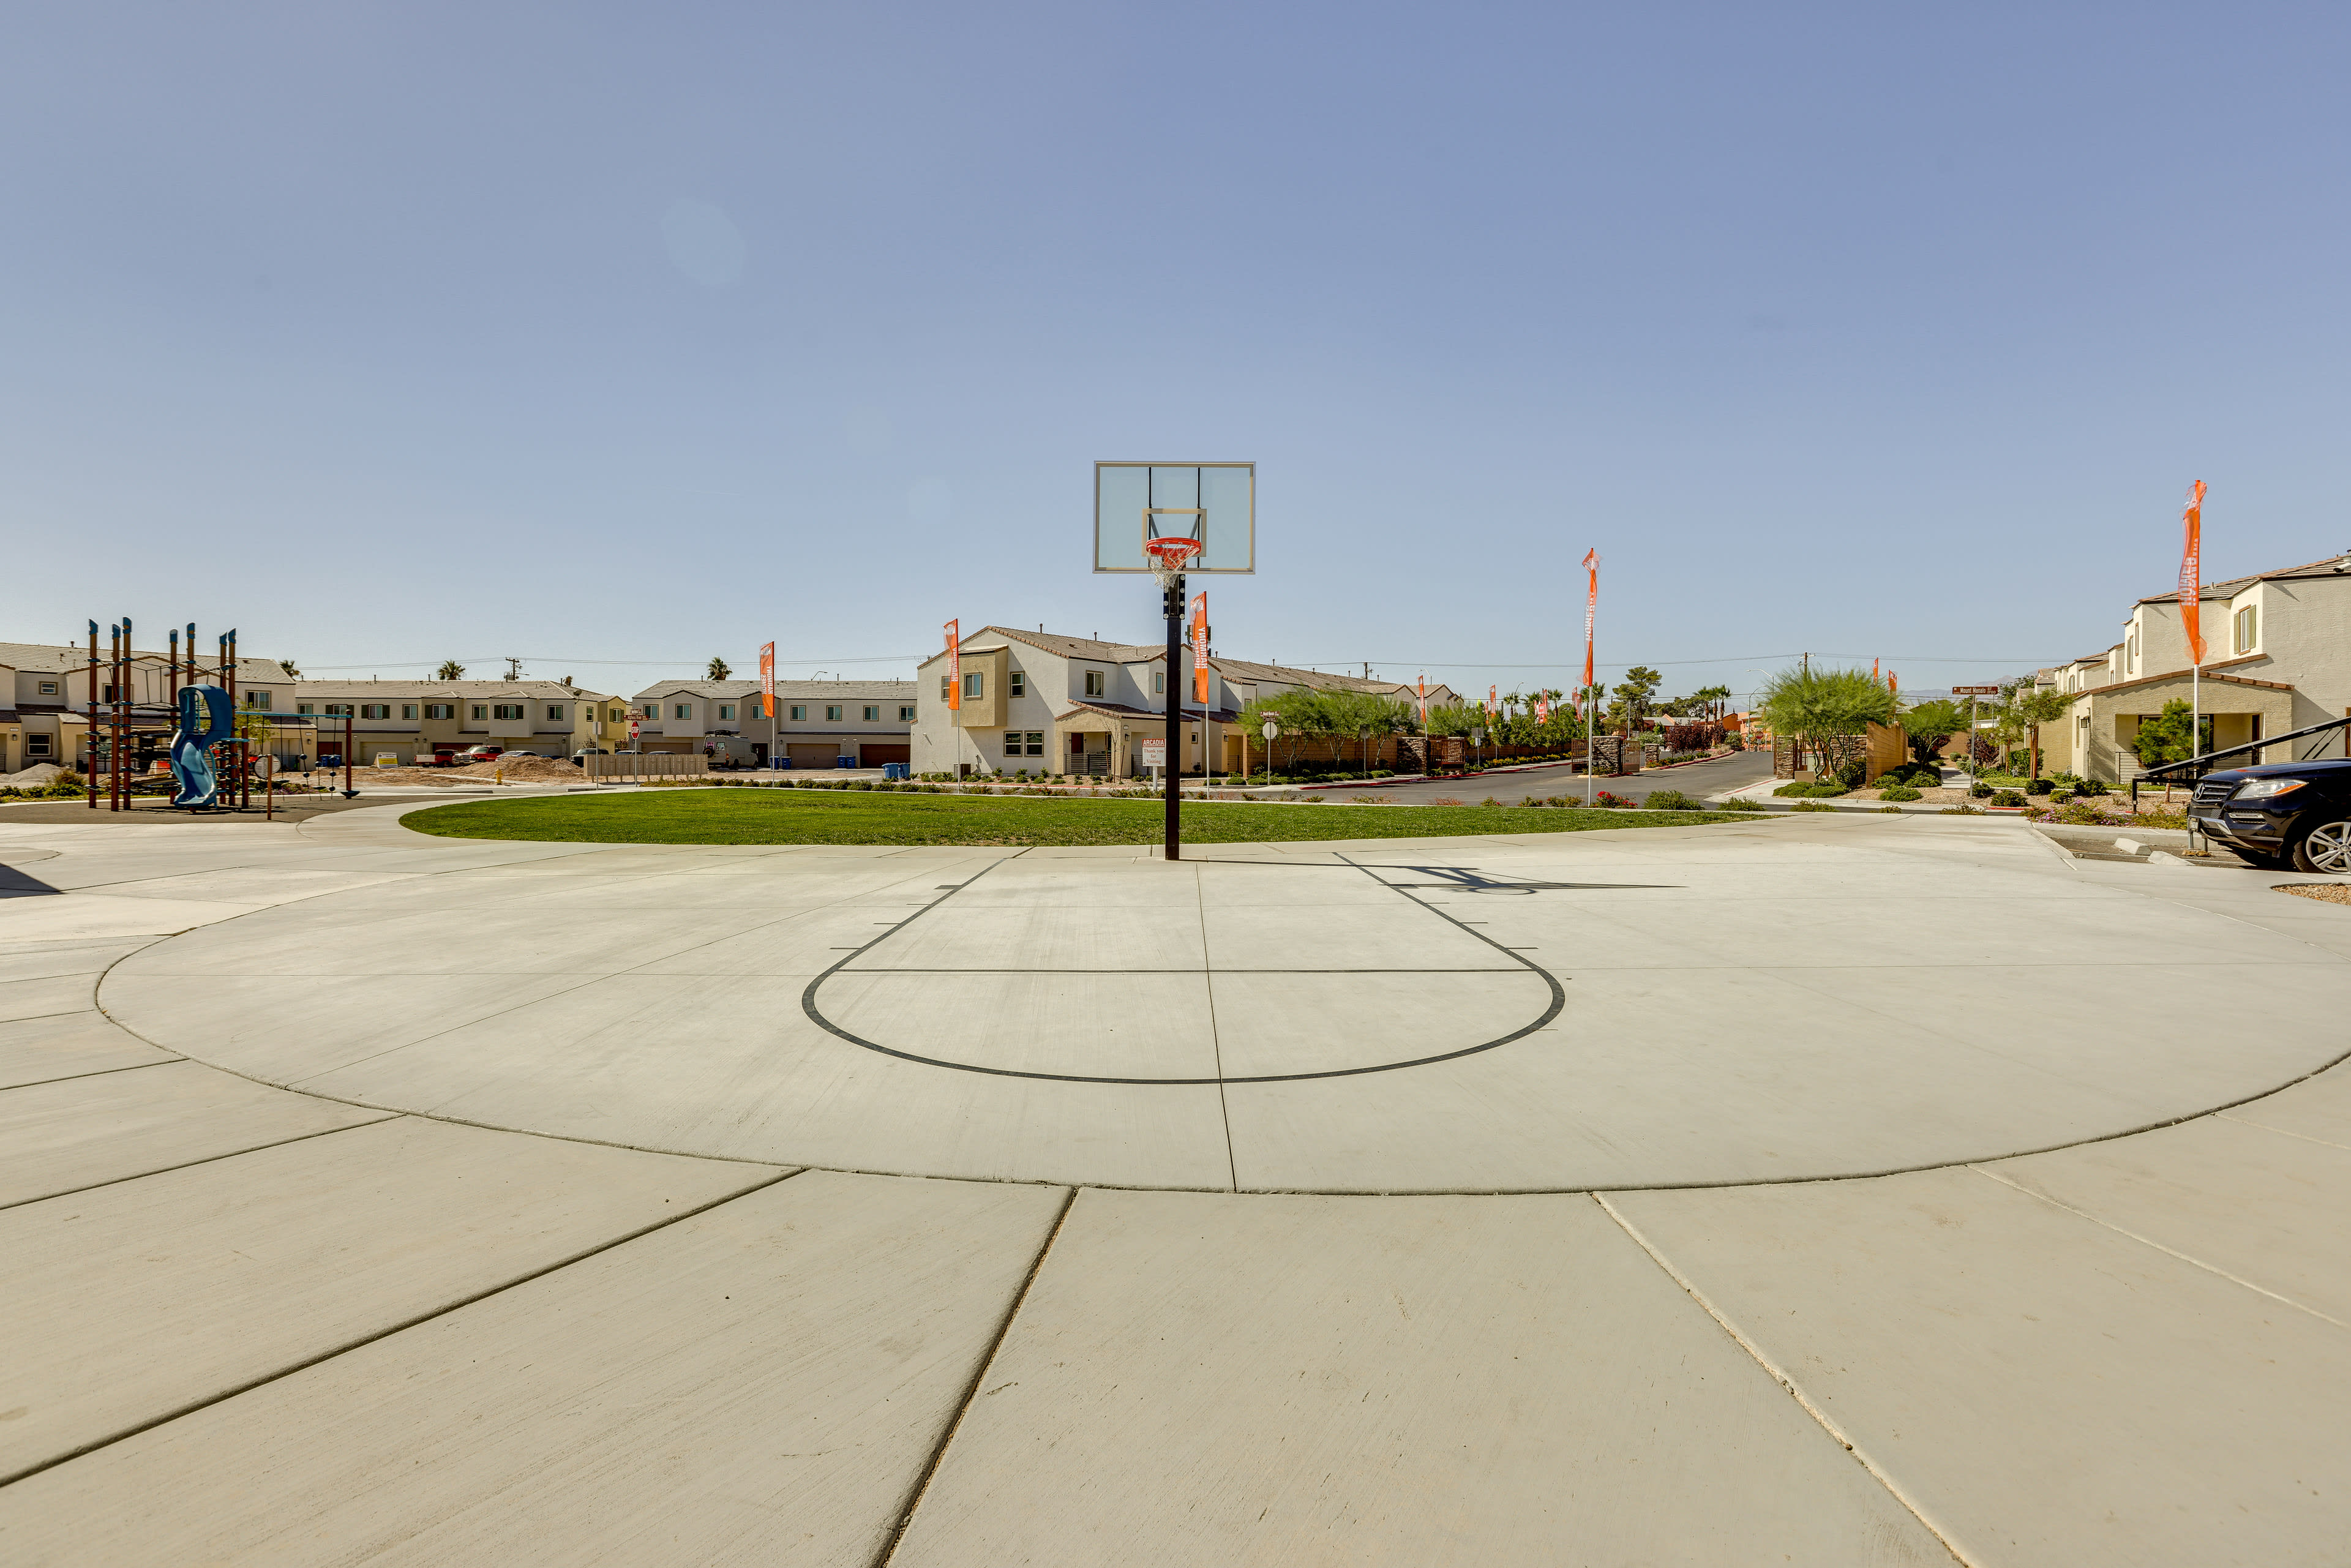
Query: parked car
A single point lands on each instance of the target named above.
(482, 753)
(439, 757)
(2280, 814)
(590, 752)
(504, 754)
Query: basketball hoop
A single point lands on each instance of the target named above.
(1169, 555)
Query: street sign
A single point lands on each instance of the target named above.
(633, 729)
(263, 766)
(1270, 728)
(1975, 691)
(1154, 753)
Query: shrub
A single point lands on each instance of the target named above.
(1672, 800)
(1827, 790)
(2007, 797)
(2038, 786)
(1895, 810)
(2061, 796)
(1799, 787)
(1740, 804)
(2083, 814)
(1812, 805)
(1898, 792)
(1963, 810)
(1978, 790)
(1609, 801)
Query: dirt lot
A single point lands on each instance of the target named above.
(516, 770)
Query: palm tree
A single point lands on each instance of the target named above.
(2035, 708)
(293, 672)
(1816, 708)
(450, 670)
(719, 669)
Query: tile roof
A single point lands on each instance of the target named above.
(48, 656)
(1121, 710)
(725, 690)
(1245, 670)
(2332, 565)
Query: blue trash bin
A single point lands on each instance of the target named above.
(894, 770)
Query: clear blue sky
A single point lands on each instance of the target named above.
(640, 333)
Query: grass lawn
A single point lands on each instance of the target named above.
(811, 817)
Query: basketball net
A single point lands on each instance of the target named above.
(1169, 557)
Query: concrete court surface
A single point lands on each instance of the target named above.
(1825, 1189)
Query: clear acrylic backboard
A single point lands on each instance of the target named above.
(1215, 503)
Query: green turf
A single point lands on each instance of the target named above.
(807, 817)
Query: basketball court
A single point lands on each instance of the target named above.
(1399, 1202)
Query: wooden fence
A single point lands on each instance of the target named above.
(622, 766)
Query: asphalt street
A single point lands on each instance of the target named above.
(1696, 780)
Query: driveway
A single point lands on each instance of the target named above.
(1698, 780)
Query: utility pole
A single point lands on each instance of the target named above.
(514, 668)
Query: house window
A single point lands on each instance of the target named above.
(508, 711)
(726, 710)
(1020, 684)
(257, 700)
(975, 685)
(339, 710)
(1158, 682)
(946, 688)
(408, 710)
(1094, 683)
(301, 707)
(681, 710)
(833, 714)
(375, 710)
(1024, 743)
(554, 712)
(481, 710)
(2249, 626)
(800, 713)
(48, 688)
(905, 713)
(872, 713)
(616, 716)
(440, 710)
(37, 745)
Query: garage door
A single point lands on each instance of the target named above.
(812, 753)
(874, 756)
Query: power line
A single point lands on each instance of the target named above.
(1726, 659)
(614, 664)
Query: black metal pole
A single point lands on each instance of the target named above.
(1175, 607)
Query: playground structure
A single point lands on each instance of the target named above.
(130, 741)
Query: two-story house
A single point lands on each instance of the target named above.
(2277, 658)
(1040, 703)
(45, 689)
(403, 720)
(815, 725)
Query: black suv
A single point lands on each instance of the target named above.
(2289, 813)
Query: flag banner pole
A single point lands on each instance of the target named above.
(1591, 699)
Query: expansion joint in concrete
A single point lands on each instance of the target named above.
(1780, 1375)
(915, 1493)
(191, 1407)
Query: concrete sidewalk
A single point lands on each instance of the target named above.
(371, 1196)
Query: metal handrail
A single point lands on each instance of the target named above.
(2162, 772)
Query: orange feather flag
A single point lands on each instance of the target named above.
(2191, 577)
